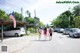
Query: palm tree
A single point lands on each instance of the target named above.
(28, 13)
(76, 11)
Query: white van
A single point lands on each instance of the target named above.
(15, 31)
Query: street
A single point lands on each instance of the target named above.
(59, 44)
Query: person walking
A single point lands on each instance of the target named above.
(45, 32)
(39, 30)
(50, 34)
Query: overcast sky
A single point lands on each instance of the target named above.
(46, 10)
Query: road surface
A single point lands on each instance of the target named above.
(59, 44)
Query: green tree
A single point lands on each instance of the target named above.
(67, 13)
(18, 16)
(76, 10)
(3, 14)
(28, 13)
(36, 20)
(30, 20)
(62, 20)
(76, 16)
(77, 21)
(41, 24)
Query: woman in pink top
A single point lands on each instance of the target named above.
(45, 32)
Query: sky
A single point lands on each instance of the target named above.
(46, 10)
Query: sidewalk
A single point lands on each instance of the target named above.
(14, 44)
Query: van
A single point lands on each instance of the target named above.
(19, 31)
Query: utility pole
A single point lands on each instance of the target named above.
(2, 32)
(69, 18)
(35, 20)
(1, 20)
(34, 13)
(22, 14)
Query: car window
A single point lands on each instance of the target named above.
(77, 30)
(71, 30)
(9, 29)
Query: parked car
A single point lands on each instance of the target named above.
(74, 32)
(60, 30)
(56, 29)
(19, 31)
(66, 31)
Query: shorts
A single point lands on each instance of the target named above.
(50, 34)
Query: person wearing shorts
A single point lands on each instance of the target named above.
(50, 34)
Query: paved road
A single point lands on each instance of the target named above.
(59, 44)
(14, 43)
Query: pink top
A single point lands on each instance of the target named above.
(45, 32)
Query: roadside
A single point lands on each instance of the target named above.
(32, 34)
(15, 43)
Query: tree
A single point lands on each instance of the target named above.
(41, 24)
(62, 20)
(67, 13)
(56, 23)
(77, 21)
(76, 10)
(76, 16)
(30, 20)
(35, 21)
(28, 13)
(3, 14)
(18, 16)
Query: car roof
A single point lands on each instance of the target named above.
(75, 28)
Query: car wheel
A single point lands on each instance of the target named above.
(70, 35)
(74, 36)
(16, 34)
(3, 34)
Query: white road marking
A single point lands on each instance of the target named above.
(60, 41)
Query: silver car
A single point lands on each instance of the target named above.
(60, 30)
(74, 32)
(56, 29)
(66, 31)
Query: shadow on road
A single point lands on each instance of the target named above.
(40, 40)
(64, 34)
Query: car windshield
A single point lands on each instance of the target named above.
(67, 29)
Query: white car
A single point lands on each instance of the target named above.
(60, 30)
(14, 31)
